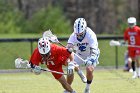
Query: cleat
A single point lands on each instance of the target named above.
(134, 75)
(65, 91)
(82, 76)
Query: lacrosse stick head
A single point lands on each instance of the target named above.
(114, 43)
(48, 34)
(20, 63)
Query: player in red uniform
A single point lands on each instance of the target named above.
(54, 57)
(132, 36)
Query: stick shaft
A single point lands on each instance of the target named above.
(132, 46)
(48, 70)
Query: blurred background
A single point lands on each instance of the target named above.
(22, 22)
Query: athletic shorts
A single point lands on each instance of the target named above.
(131, 53)
(58, 69)
(137, 52)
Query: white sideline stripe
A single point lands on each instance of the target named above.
(14, 70)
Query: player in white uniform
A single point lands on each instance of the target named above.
(84, 41)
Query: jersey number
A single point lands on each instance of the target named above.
(132, 40)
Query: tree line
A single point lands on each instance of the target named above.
(103, 16)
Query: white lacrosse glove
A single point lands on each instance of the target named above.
(20, 63)
(70, 68)
(91, 61)
(37, 70)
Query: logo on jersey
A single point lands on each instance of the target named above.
(82, 46)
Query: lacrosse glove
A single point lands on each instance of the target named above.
(70, 68)
(37, 70)
(91, 61)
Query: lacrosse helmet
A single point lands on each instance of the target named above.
(80, 26)
(43, 46)
(131, 21)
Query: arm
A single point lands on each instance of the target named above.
(34, 62)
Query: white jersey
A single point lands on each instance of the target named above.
(83, 47)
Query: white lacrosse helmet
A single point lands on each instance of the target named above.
(80, 25)
(131, 21)
(43, 46)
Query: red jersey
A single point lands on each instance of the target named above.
(58, 57)
(132, 35)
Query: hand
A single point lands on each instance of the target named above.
(37, 70)
(90, 61)
(70, 68)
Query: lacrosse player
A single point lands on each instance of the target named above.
(132, 37)
(84, 41)
(54, 57)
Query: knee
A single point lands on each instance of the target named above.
(90, 69)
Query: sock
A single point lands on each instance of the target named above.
(88, 84)
(133, 65)
(139, 71)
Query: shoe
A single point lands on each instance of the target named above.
(73, 92)
(134, 75)
(87, 90)
(82, 76)
(65, 91)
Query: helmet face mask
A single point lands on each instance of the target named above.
(131, 22)
(45, 56)
(43, 46)
(80, 36)
(80, 26)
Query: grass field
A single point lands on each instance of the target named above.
(105, 81)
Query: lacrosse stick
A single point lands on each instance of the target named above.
(24, 64)
(117, 43)
(48, 70)
(20, 63)
(53, 38)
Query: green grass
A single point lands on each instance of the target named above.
(105, 81)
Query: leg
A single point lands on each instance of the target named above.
(131, 54)
(138, 65)
(78, 70)
(134, 69)
(81, 74)
(89, 71)
(70, 79)
(65, 85)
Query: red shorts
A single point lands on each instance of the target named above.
(131, 53)
(137, 52)
(57, 68)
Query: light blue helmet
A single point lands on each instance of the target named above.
(80, 25)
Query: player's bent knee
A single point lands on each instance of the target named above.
(90, 69)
